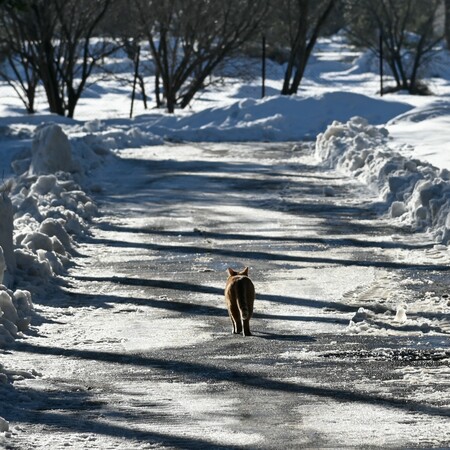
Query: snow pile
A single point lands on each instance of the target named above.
(4, 425)
(51, 208)
(7, 259)
(416, 193)
(15, 307)
(42, 212)
(49, 213)
(51, 151)
(41, 215)
(278, 118)
(131, 138)
(15, 314)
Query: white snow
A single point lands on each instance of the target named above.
(415, 192)
(277, 118)
(51, 151)
(397, 145)
(42, 212)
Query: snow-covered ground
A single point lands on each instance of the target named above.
(396, 144)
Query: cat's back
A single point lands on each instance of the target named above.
(240, 283)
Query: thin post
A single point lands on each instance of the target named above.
(263, 75)
(136, 73)
(381, 63)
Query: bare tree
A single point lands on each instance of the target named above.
(56, 41)
(17, 69)
(190, 38)
(407, 32)
(298, 25)
(447, 22)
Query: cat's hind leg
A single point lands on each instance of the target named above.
(235, 317)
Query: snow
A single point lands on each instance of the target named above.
(43, 210)
(277, 118)
(396, 145)
(51, 151)
(415, 192)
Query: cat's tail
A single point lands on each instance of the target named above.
(243, 307)
(243, 300)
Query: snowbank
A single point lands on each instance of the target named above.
(130, 138)
(43, 211)
(15, 314)
(51, 151)
(7, 267)
(51, 209)
(278, 118)
(416, 193)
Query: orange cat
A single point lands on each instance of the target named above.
(239, 296)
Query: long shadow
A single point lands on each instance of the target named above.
(106, 301)
(283, 337)
(71, 403)
(297, 318)
(205, 289)
(340, 242)
(206, 372)
(214, 311)
(198, 309)
(266, 256)
(202, 181)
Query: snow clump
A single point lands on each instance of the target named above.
(51, 208)
(51, 151)
(15, 313)
(415, 193)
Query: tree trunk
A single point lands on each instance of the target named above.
(31, 95)
(54, 101)
(302, 47)
(288, 75)
(142, 86)
(157, 89)
(447, 22)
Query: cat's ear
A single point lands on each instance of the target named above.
(231, 272)
(245, 272)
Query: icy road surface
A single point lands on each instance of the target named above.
(135, 351)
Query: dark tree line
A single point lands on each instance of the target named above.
(58, 44)
(407, 32)
(188, 39)
(303, 21)
(50, 41)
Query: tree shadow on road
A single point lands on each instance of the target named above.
(283, 337)
(171, 285)
(198, 371)
(74, 409)
(269, 256)
(308, 240)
